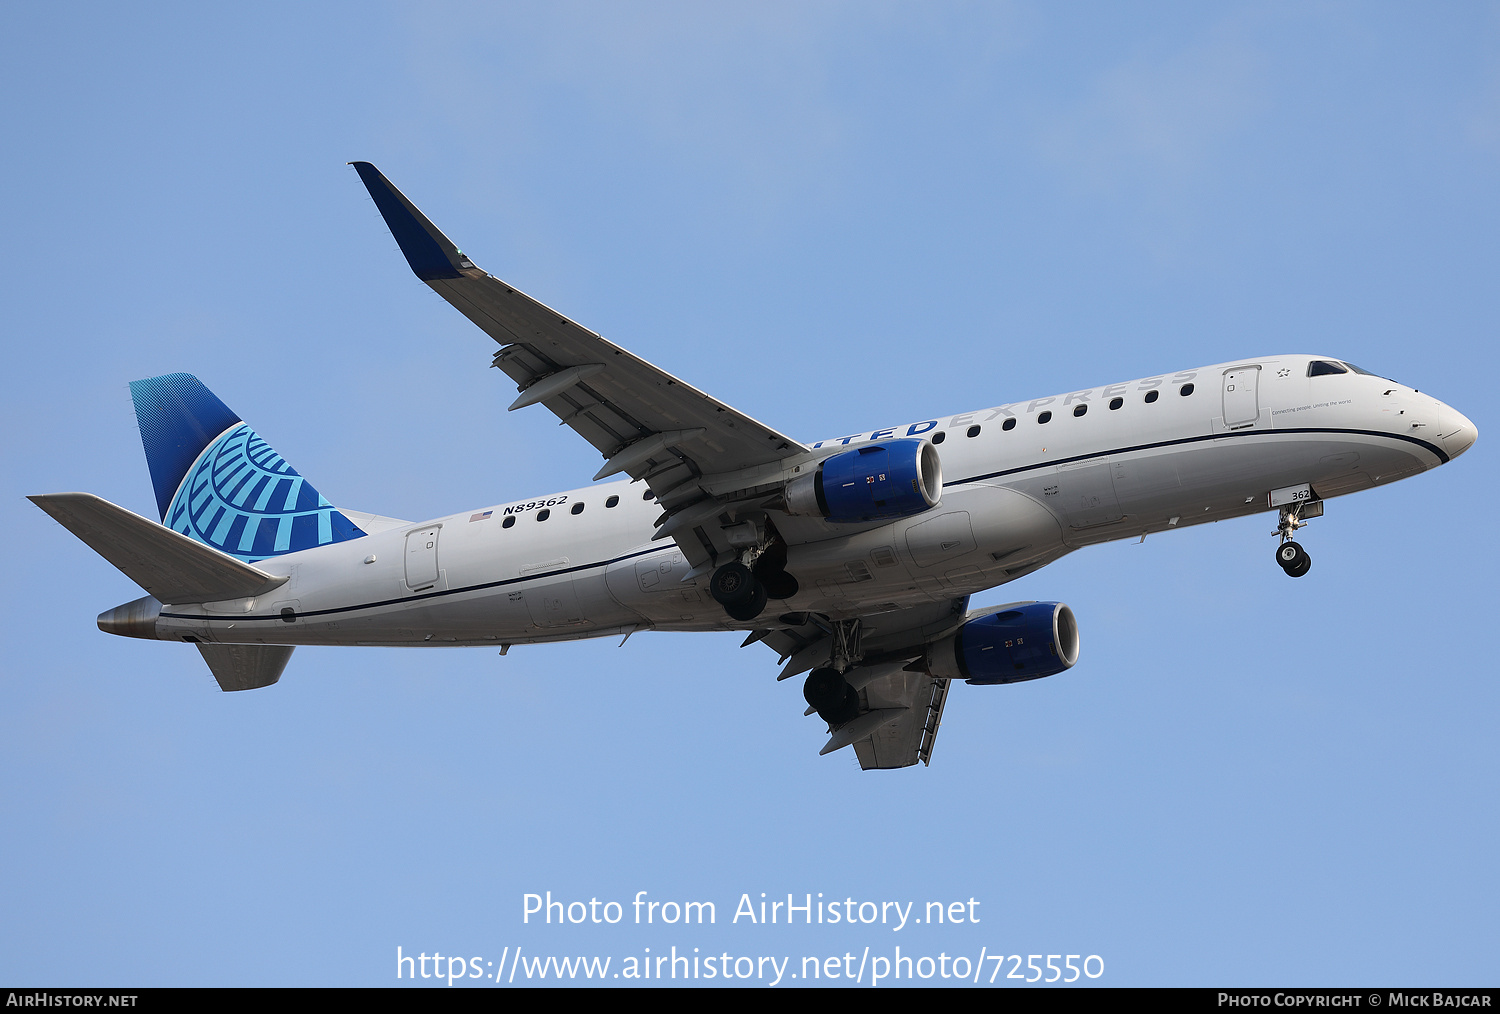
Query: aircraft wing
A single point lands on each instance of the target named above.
(645, 422)
(900, 704)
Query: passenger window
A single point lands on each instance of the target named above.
(1008, 424)
(646, 495)
(578, 507)
(612, 501)
(973, 431)
(1079, 410)
(1323, 368)
(1186, 390)
(940, 436)
(1045, 417)
(1152, 396)
(510, 519)
(543, 514)
(1115, 403)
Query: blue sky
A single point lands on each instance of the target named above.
(833, 217)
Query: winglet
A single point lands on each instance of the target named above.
(431, 254)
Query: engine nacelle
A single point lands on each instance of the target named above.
(876, 482)
(1011, 644)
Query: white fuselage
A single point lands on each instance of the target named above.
(1013, 500)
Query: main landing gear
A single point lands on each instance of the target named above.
(1291, 557)
(735, 588)
(743, 590)
(826, 691)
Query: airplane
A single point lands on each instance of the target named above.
(853, 558)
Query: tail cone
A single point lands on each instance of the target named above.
(133, 619)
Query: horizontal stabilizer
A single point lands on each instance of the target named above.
(171, 567)
(246, 666)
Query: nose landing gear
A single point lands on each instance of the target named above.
(1291, 557)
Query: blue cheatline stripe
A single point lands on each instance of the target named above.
(1441, 456)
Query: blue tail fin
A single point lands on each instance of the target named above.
(218, 482)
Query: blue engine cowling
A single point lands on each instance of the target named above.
(1009, 644)
(875, 482)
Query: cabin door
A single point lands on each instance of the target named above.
(421, 558)
(1241, 397)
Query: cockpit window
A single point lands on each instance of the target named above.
(1367, 373)
(1323, 368)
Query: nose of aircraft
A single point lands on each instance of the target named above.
(1458, 432)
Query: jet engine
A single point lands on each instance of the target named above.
(1009, 644)
(876, 482)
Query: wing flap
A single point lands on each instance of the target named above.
(169, 566)
(917, 701)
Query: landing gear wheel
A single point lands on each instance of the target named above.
(770, 570)
(780, 585)
(823, 687)
(750, 608)
(847, 710)
(834, 699)
(1292, 557)
(732, 584)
